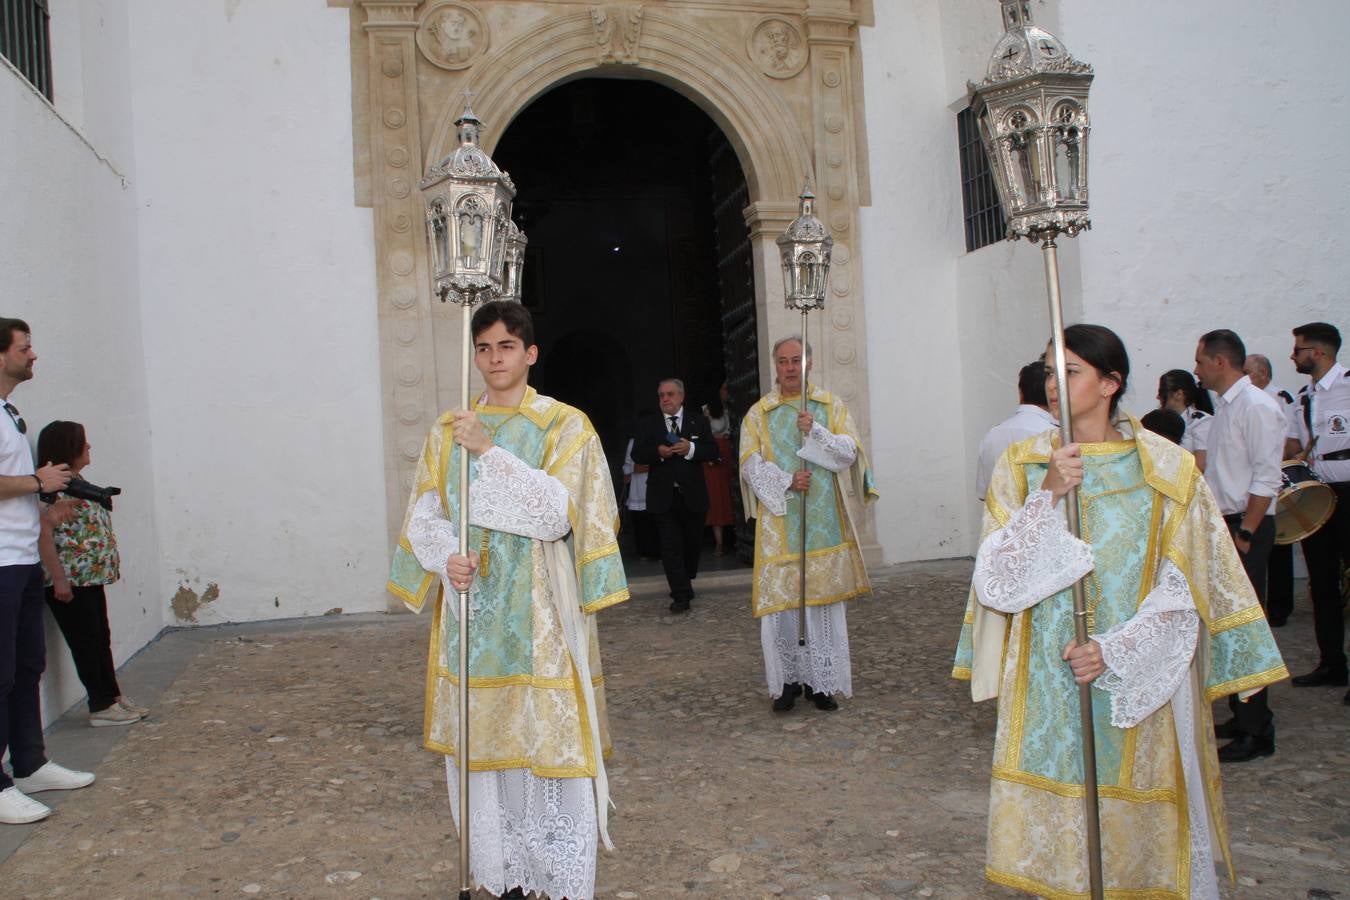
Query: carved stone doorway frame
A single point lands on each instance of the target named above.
(781, 79)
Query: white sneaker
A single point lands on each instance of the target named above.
(54, 777)
(17, 808)
(117, 714)
(129, 704)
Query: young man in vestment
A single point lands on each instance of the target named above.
(777, 436)
(1174, 625)
(543, 561)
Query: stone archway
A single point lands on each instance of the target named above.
(782, 85)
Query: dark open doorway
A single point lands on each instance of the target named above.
(639, 264)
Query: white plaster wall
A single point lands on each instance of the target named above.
(1220, 175)
(259, 311)
(69, 256)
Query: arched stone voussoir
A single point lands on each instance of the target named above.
(769, 141)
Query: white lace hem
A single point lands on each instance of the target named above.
(1030, 558)
(823, 447)
(1148, 656)
(526, 831)
(510, 496)
(769, 482)
(824, 662)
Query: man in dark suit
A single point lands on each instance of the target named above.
(675, 445)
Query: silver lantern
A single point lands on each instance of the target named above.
(805, 251)
(468, 202)
(515, 262)
(1033, 115)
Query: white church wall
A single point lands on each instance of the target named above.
(1220, 176)
(70, 270)
(260, 320)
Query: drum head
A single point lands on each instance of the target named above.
(1301, 509)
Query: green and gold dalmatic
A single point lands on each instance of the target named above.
(1143, 502)
(527, 708)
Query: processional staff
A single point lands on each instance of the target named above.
(1032, 111)
(477, 255)
(805, 252)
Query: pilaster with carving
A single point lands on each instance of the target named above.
(831, 33)
(406, 352)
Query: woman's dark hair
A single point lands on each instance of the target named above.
(1165, 422)
(1181, 380)
(1100, 348)
(60, 442)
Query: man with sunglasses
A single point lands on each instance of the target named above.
(1319, 431)
(23, 648)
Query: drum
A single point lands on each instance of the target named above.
(1304, 503)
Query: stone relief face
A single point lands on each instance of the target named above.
(778, 48)
(452, 37)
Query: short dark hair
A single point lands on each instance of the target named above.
(1101, 348)
(60, 442)
(515, 317)
(1031, 384)
(1318, 333)
(1225, 343)
(1165, 422)
(7, 329)
(1181, 380)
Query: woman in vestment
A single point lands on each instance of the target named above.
(1175, 624)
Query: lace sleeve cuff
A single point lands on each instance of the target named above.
(510, 496)
(823, 447)
(769, 483)
(1148, 656)
(431, 535)
(1030, 558)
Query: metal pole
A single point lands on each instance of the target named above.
(1080, 613)
(801, 604)
(466, 352)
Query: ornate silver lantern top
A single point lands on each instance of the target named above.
(468, 202)
(514, 269)
(805, 250)
(1032, 110)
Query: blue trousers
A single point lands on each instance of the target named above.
(23, 658)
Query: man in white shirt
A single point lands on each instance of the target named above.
(1244, 450)
(1320, 432)
(1031, 418)
(1280, 570)
(23, 646)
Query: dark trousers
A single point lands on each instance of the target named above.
(23, 657)
(84, 622)
(1325, 550)
(643, 528)
(1280, 582)
(1254, 716)
(681, 532)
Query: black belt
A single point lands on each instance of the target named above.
(1336, 455)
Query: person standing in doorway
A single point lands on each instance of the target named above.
(675, 445)
(717, 473)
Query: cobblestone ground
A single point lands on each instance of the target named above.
(286, 763)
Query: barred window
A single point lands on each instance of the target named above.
(979, 197)
(25, 43)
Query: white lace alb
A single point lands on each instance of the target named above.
(824, 662)
(510, 496)
(823, 447)
(769, 482)
(1029, 559)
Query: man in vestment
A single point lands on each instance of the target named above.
(543, 561)
(1178, 625)
(776, 438)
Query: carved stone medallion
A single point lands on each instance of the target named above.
(452, 35)
(777, 47)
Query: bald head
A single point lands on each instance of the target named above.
(1257, 368)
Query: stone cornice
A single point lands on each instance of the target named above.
(390, 14)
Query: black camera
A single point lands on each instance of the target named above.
(83, 490)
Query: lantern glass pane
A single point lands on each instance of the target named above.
(470, 239)
(440, 246)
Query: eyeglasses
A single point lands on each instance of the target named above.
(19, 423)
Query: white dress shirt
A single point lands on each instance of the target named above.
(1026, 422)
(1244, 447)
(1197, 429)
(19, 522)
(1330, 415)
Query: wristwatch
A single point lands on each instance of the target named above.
(1245, 535)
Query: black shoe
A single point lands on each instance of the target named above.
(1248, 747)
(679, 606)
(1227, 731)
(825, 702)
(1320, 676)
(513, 894)
(785, 701)
(1278, 621)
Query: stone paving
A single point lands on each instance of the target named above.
(283, 760)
